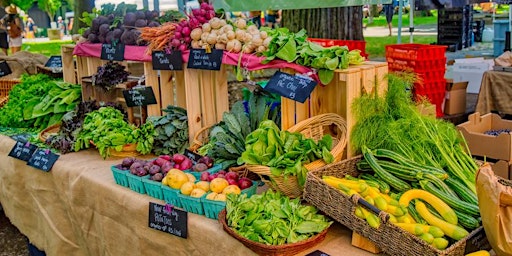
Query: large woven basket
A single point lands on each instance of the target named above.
(270, 250)
(49, 131)
(388, 237)
(315, 127)
(6, 86)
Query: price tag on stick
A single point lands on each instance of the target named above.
(200, 59)
(192, 156)
(295, 87)
(167, 61)
(43, 159)
(139, 96)
(168, 219)
(22, 151)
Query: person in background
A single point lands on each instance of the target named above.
(70, 25)
(30, 28)
(4, 42)
(389, 10)
(14, 28)
(270, 18)
(61, 26)
(255, 17)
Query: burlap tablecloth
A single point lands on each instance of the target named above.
(77, 209)
(495, 93)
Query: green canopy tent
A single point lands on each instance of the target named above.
(250, 5)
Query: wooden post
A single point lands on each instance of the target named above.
(152, 80)
(166, 89)
(68, 64)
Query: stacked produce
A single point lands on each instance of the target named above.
(107, 130)
(273, 219)
(109, 75)
(38, 102)
(283, 151)
(118, 24)
(171, 131)
(227, 138)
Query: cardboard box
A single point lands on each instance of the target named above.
(480, 144)
(502, 168)
(471, 70)
(455, 99)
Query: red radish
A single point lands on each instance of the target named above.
(220, 175)
(231, 175)
(204, 176)
(196, 12)
(187, 39)
(201, 20)
(222, 172)
(178, 158)
(177, 35)
(175, 42)
(185, 31)
(232, 182)
(210, 14)
(176, 166)
(204, 5)
(182, 47)
(244, 183)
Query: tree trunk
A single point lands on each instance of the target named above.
(342, 23)
(80, 7)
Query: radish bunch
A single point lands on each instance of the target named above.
(236, 37)
(181, 38)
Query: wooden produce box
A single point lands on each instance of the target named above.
(502, 168)
(68, 64)
(391, 239)
(337, 96)
(480, 144)
(203, 93)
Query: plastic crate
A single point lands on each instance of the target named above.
(192, 204)
(135, 183)
(171, 196)
(426, 76)
(153, 188)
(120, 176)
(418, 52)
(434, 91)
(351, 44)
(215, 168)
(395, 64)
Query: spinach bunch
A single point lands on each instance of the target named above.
(38, 102)
(273, 219)
(171, 131)
(283, 151)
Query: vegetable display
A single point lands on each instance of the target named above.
(38, 102)
(273, 219)
(109, 75)
(171, 131)
(107, 130)
(283, 151)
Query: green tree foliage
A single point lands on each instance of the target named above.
(50, 7)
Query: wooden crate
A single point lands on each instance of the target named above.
(68, 64)
(337, 96)
(203, 93)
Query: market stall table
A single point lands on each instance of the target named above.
(495, 93)
(77, 209)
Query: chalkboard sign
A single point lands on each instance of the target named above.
(295, 87)
(54, 62)
(4, 69)
(22, 151)
(477, 242)
(193, 156)
(43, 159)
(112, 52)
(317, 253)
(168, 219)
(167, 61)
(139, 96)
(200, 59)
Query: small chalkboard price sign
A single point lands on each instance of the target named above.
(295, 87)
(139, 96)
(200, 59)
(4, 69)
(43, 159)
(168, 219)
(112, 52)
(317, 253)
(192, 156)
(54, 62)
(167, 61)
(22, 151)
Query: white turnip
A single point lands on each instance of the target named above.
(196, 34)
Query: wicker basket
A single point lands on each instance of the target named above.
(49, 131)
(6, 86)
(315, 127)
(388, 237)
(269, 250)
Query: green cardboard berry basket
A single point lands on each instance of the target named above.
(215, 168)
(153, 188)
(171, 196)
(120, 176)
(192, 204)
(135, 183)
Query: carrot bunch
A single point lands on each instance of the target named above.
(158, 37)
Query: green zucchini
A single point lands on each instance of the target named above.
(467, 221)
(455, 203)
(385, 153)
(363, 165)
(387, 177)
(400, 171)
(462, 190)
(383, 186)
(441, 185)
(414, 214)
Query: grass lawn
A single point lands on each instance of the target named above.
(381, 20)
(47, 48)
(375, 46)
